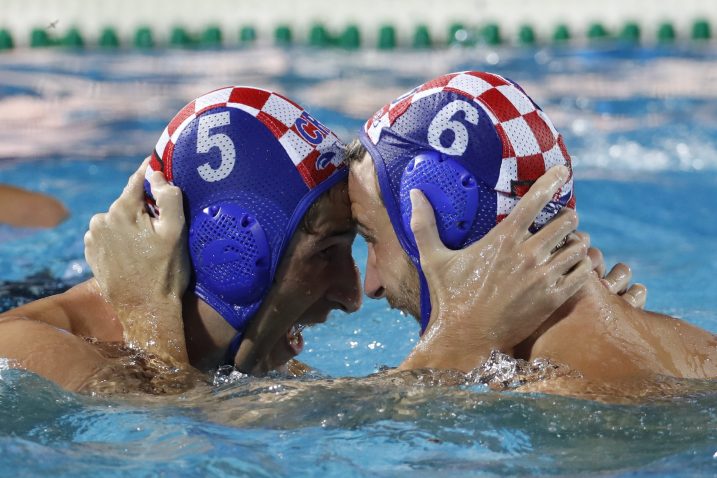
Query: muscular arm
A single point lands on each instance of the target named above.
(50, 310)
(681, 348)
(496, 292)
(46, 336)
(611, 343)
(461, 335)
(80, 311)
(52, 352)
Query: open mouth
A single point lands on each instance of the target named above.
(294, 339)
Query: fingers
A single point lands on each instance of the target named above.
(618, 278)
(553, 234)
(131, 201)
(89, 251)
(423, 225)
(169, 203)
(574, 251)
(569, 284)
(540, 194)
(598, 261)
(97, 222)
(97, 226)
(636, 296)
(618, 282)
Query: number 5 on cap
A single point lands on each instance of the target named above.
(205, 142)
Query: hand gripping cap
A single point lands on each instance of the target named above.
(474, 143)
(249, 163)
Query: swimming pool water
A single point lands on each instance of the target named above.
(641, 125)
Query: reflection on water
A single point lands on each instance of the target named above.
(99, 104)
(16, 293)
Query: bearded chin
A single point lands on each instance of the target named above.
(403, 303)
(407, 297)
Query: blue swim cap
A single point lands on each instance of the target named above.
(474, 143)
(249, 163)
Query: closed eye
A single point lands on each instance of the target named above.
(330, 244)
(365, 233)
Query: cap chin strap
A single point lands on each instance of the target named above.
(233, 349)
(426, 306)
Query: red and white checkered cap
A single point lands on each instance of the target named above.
(304, 139)
(531, 144)
(249, 163)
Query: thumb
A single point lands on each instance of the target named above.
(425, 230)
(133, 194)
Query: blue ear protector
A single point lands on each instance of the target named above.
(453, 192)
(247, 181)
(230, 253)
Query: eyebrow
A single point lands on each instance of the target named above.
(346, 232)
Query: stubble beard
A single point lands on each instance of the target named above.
(406, 297)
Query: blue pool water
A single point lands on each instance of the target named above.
(642, 128)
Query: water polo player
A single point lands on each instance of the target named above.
(30, 208)
(265, 194)
(262, 180)
(250, 164)
(466, 146)
(261, 314)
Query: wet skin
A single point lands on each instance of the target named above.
(316, 276)
(389, 272)
(24, 208)
(595, 333)
(320, 256)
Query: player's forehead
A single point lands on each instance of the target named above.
(332, 212)
(367, 208)
(363, 188)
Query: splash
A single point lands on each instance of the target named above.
(5, 364)
(227, 375)
(503, 372)
(133, 372)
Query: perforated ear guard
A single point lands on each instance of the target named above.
(231, 258)
(475, 122)
(230, 253)
(454, 193)
(451, 189)
(250, 163)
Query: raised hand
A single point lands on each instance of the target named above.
(499, 290)
(142, 266)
